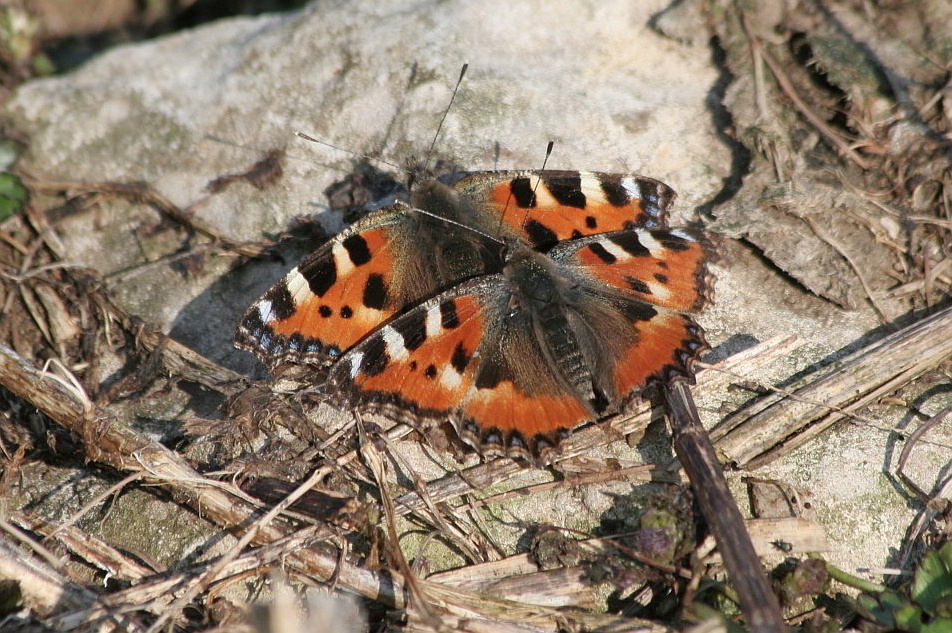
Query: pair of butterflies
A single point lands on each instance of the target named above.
(516, 305)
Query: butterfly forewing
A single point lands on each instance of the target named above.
(546, 207)
(389, 260)
(667, 268)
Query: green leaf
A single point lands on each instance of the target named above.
(940, 625)
(908, 618)
(13, 195)
(933, 582)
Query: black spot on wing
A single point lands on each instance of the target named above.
(600, 402)
(672, 242)
(616, 195)
(357, 250)
(599, 251)
(346, 312)
(491, 374)
(375, 357)
(430, 372)
(539, 234)
(412, 327)
(630, 244)
(591, 222)
(375, 292)
(282, 305)
(320, 275)
(638, 285)
(522, 193)
(567, 191)
(449, 318)
(662, 278)
(637, 311)
(460, 358)
(325, 311)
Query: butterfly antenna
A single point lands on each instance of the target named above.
(366, 157)
(429, 152)
(502, 216)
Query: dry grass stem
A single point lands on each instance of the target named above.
(779, 423)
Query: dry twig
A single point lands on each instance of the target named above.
(779, 423)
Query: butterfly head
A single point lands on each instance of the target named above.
(435, 197)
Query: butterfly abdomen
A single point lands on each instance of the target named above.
(546, 296)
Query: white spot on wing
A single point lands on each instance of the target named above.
(434, 321)
(654, 246)
(591, 186)
(631, 186)
(683, 235)
(356, 360)
(264, 311)
(543, 197)
(341, 259)
(396, 348)
(616, 250)
(660, 291)
(297, 285)
(450, 378)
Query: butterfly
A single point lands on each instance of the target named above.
(396, 256)
(418, 312)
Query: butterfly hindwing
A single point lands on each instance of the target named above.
(641, 288)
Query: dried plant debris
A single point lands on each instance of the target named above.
(235, 469)
(261, 175)
(365, 185)
(845, 109)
